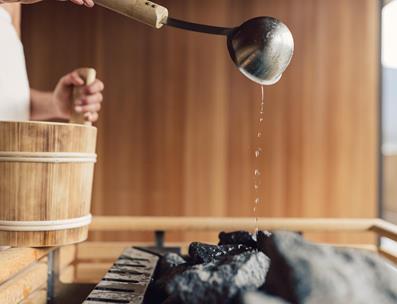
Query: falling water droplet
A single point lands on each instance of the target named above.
(258, 152)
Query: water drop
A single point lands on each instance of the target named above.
(257, 172)
(257, 200)
(258, 152)
(259, 134)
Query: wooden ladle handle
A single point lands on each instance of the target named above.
(89, 76)
(143, 11)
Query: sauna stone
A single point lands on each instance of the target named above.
(303, 272)
(220, 280)
(159, 292)
(238, 237)
(255, 297)
(168, 262)
(204, 253)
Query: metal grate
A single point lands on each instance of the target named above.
(127, 280)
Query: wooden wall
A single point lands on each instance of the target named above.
(177, 132)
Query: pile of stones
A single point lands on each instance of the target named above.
(273, 268)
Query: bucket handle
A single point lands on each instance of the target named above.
(89, 76)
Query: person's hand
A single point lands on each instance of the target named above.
(88, 3)
(87, 99)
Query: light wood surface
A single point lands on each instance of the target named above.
(124, 223)
(68, 274)
(89, 76)
(25, 283)
(91, 272)
(384, 228)
(109, 251)
(13, 260)
(40, 191)
(391, 256)
(67, 254)
(177, 130)
(37, 297)
(143, 11)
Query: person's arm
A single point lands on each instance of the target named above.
(60, 103)
(88, 3)
(42, 106)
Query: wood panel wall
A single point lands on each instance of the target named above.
(177, 131)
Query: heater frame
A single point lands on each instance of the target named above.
(41, 270)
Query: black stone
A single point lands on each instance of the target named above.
(220, 280)
(168, 262)
(158, 291)
(204, 253)
(303, 272)
(262, 237)
(237, 237)
(168, 266)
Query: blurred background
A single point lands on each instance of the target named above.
(389, 113)
(177, 131)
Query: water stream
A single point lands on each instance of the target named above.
(258, 158)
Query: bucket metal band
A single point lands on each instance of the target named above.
(47, 157)
(33, 226)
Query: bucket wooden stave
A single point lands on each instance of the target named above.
(46, 175)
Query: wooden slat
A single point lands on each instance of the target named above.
(67, 256)
(67, 275)
(14, 260)
(109, 251)
(37, 297)
(391, 256)
(383, 228)
(91, 272)
(101, 250)
(131, 223)
(23, 284)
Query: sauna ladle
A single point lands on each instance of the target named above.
(261, 47)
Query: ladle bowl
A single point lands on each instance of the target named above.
(261, 48)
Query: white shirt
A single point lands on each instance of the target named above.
(14, 84)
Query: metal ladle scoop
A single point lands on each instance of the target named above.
(261, 47)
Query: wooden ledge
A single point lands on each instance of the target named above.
(132, 223)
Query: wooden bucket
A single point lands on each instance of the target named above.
(46, 175)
